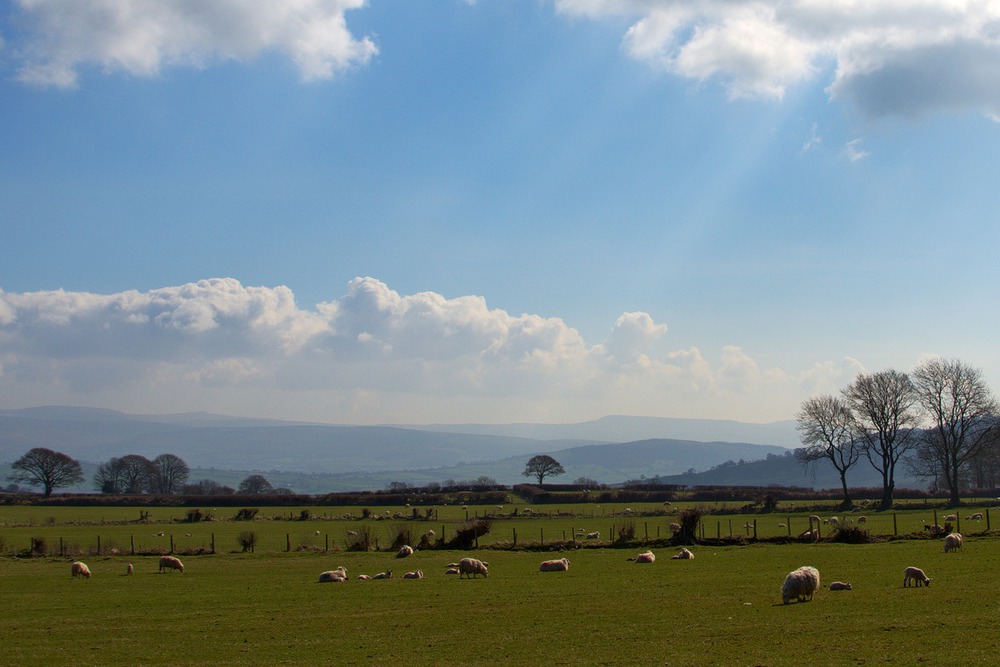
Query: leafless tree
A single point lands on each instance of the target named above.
(170, 472)
(885, 415)
(962, 411)
(47, 469)
(825, 423)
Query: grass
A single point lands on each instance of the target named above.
(723, 608)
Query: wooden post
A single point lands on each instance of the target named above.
(171, 542)
(755, 529)
(131, 539)
(718, 530)
(987, 518)
(958, 522)
(541, 536)
(515, 536)
(788, 523)
(99, 544)
(935, 518)
(895, 531)
(646, 526)
(61, 550)
(288, 542)
(327, 547)
(730, 528)
(213, 543)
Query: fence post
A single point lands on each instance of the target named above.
(171, 542)
(788, 523)
(327, 547)
(895, 530)
(541, 536)
(62, 552)
(288, 542)
(98, 545)
(646, 528)
(935, 518)
(515, 536)
(718, 530)
(213, 543)
(755, 529)
(987, 518)
(131, 540)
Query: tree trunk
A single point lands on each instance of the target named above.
(846, 504)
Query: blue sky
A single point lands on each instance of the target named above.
(528, 210)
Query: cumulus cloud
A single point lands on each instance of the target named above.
(370, 355)
(55, 38)
(888, 56)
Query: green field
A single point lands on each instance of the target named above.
(266, 608)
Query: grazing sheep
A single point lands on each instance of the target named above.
(472, 567)
(383, 575)
(978, 516)
(405, 550)
(782, 525)
(416, 574)
(951, 517)
(862, 519)
(916, 575)
(594, 536)
(171, 563)
(453, 570)
(952, 542)
(561, 565)
(646, 557)
(129, 569)
(800, 584)
(79, 568)
(834, 520)
(840, 586)
(683, 554)
(675, 527)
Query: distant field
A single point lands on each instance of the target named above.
(723, 608)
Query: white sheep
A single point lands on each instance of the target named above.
(561, 565)
(978, 516)
(383, 575)
(646, 557)
(171, 563)
(675, 527)
(340, 574)
(810, 534)
(952, 542)
(840, 586)
(129, 569)
(800, 584)
(416, 574)
(453, 570)
(79, 569)
(363, 577)
(404, 551)
(594, 536)
(472, 567)
(951, 517)
(916, 575)
(683, 554)
(834, 521)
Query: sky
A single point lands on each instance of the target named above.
(493, 211)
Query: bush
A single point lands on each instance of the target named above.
(403, 535)
(627, 532)
(247, 539)
(465, 537)
(246, 514)
(689, 520)
(851, 534)
(38, 546)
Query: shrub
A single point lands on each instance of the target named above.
(38, 547)
(247, 539)
(305, 515)
(246, 514)
(193, 516)
(689, 520)
(627, 531)
(360, 541)
(465, 537)
(851, 534)
(403, 535)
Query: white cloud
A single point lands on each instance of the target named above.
(372, 355)
(140, 38)
(891, 56)
(854, 151)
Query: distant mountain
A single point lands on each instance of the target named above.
(617, 428)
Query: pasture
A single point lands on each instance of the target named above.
(266, 608)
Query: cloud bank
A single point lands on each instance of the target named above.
(58, 37)
(889, 57)
(370, 356)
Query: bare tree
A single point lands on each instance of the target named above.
(170, 472)
(541, 466)
(47, 469)
(135, 473)
(825, 423)
(255, 485)
(885, 415)
(108, 478)
(963, 413)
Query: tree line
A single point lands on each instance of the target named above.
(942, 421)
(167, 474)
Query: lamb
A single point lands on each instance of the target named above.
(834, 520)
(675, 527)
(129, 569)
(383, 575)
(561, 565)
(472, 567)
(79, 568)
(978, 516)
(810, 534)
(647, 557)
(952, 542)
(916, 575)
(862, 519)
(453, 570)
(683, 554)
(840, 586)
(363, 577)
(416, 574)
(951, 517)
(405, 550)
(171, 563)
(800, 584)
(594, 536)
